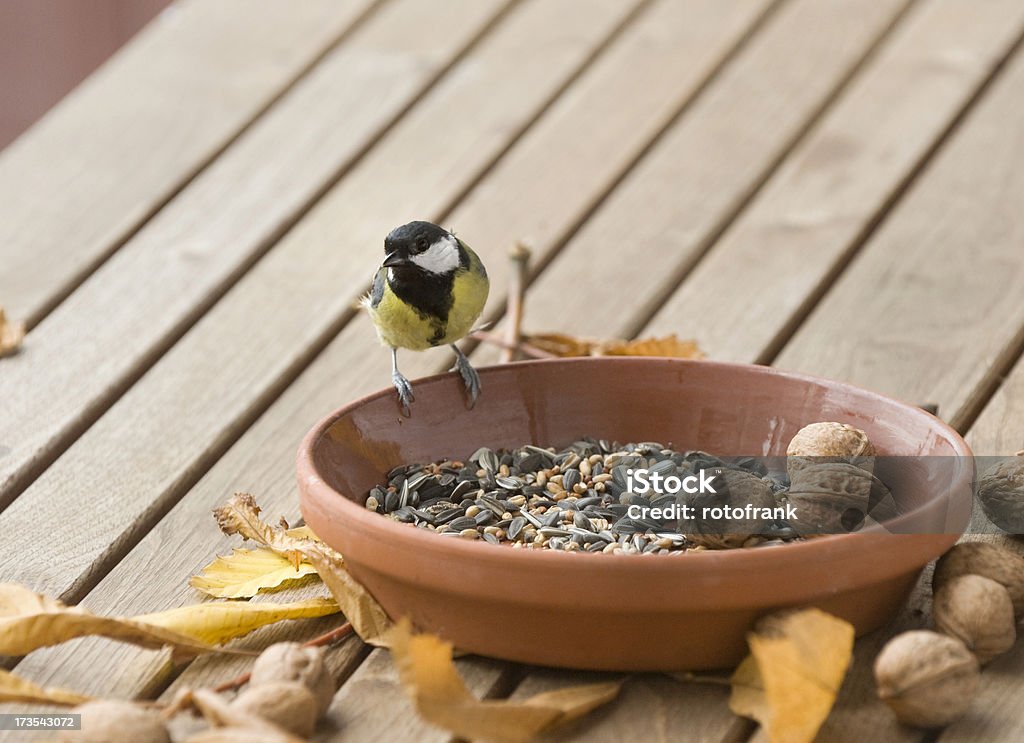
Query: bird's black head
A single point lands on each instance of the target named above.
(422, 246)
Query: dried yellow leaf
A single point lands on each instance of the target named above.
(29, 621)
(368, 618)
(245, 572)
(667, 346)
(11, 334)
(790, 680)
(561, 344)
(16, 689)
(240, 515)
(442, 699)
(217, 622)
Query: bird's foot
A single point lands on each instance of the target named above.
(469, 376)
(404, 391)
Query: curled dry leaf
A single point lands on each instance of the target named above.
(220, 621)
(11, 334)
(790, 680)
(16, 689)
(561, 344)
(29, 620)
(246, 572)
(442, 699)
(240, 515)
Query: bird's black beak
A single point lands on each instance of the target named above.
(393, 259)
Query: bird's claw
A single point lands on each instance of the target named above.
(469, 377)
(404, 392)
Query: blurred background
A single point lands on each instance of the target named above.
(47, 47)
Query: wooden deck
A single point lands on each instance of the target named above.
(833, 186)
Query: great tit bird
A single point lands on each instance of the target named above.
(429, 291)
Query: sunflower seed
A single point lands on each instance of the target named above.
(463, 522)
(549, 531)
(580, 521)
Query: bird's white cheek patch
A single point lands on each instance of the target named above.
(441, 257)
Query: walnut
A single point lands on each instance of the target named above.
(290, 661)
(834, 497)
(117, 721)
(829, 442)
(1001, 492)
(927, 679)
(287, 704)
(735, 488)
(978, 612)
(988, 560)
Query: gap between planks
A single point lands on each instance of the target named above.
(641, 231)
(127, 71)
(532, 23)
(237, 478)
(279, 442)
(107, 368)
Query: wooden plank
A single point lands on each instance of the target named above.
(937, 32)
(200, 409)
(147, 295)
(936, 313)
(649, 707)
(372, 704)
(594, 134)
(766, 271)
(931, 306)
(262, 460)
(91, 171)
(688, 185)
(999, 430)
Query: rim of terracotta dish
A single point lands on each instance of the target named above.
(739, 560)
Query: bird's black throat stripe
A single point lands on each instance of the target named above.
(428, 293)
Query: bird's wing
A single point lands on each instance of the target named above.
(377, 291)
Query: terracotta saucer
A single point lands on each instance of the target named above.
(625, 612)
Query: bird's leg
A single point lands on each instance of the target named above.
(469, 375)
(401, 384)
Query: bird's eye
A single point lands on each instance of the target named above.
(421, 244)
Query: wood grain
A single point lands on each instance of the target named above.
(204, 405)
(94, 168)
(352, 365)
(671, 204)
(766, 271)
(211, 377)
(372, 704)
(931, 304)
(594, 134)
(159, 283)
(932, 286)
(650, 707)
